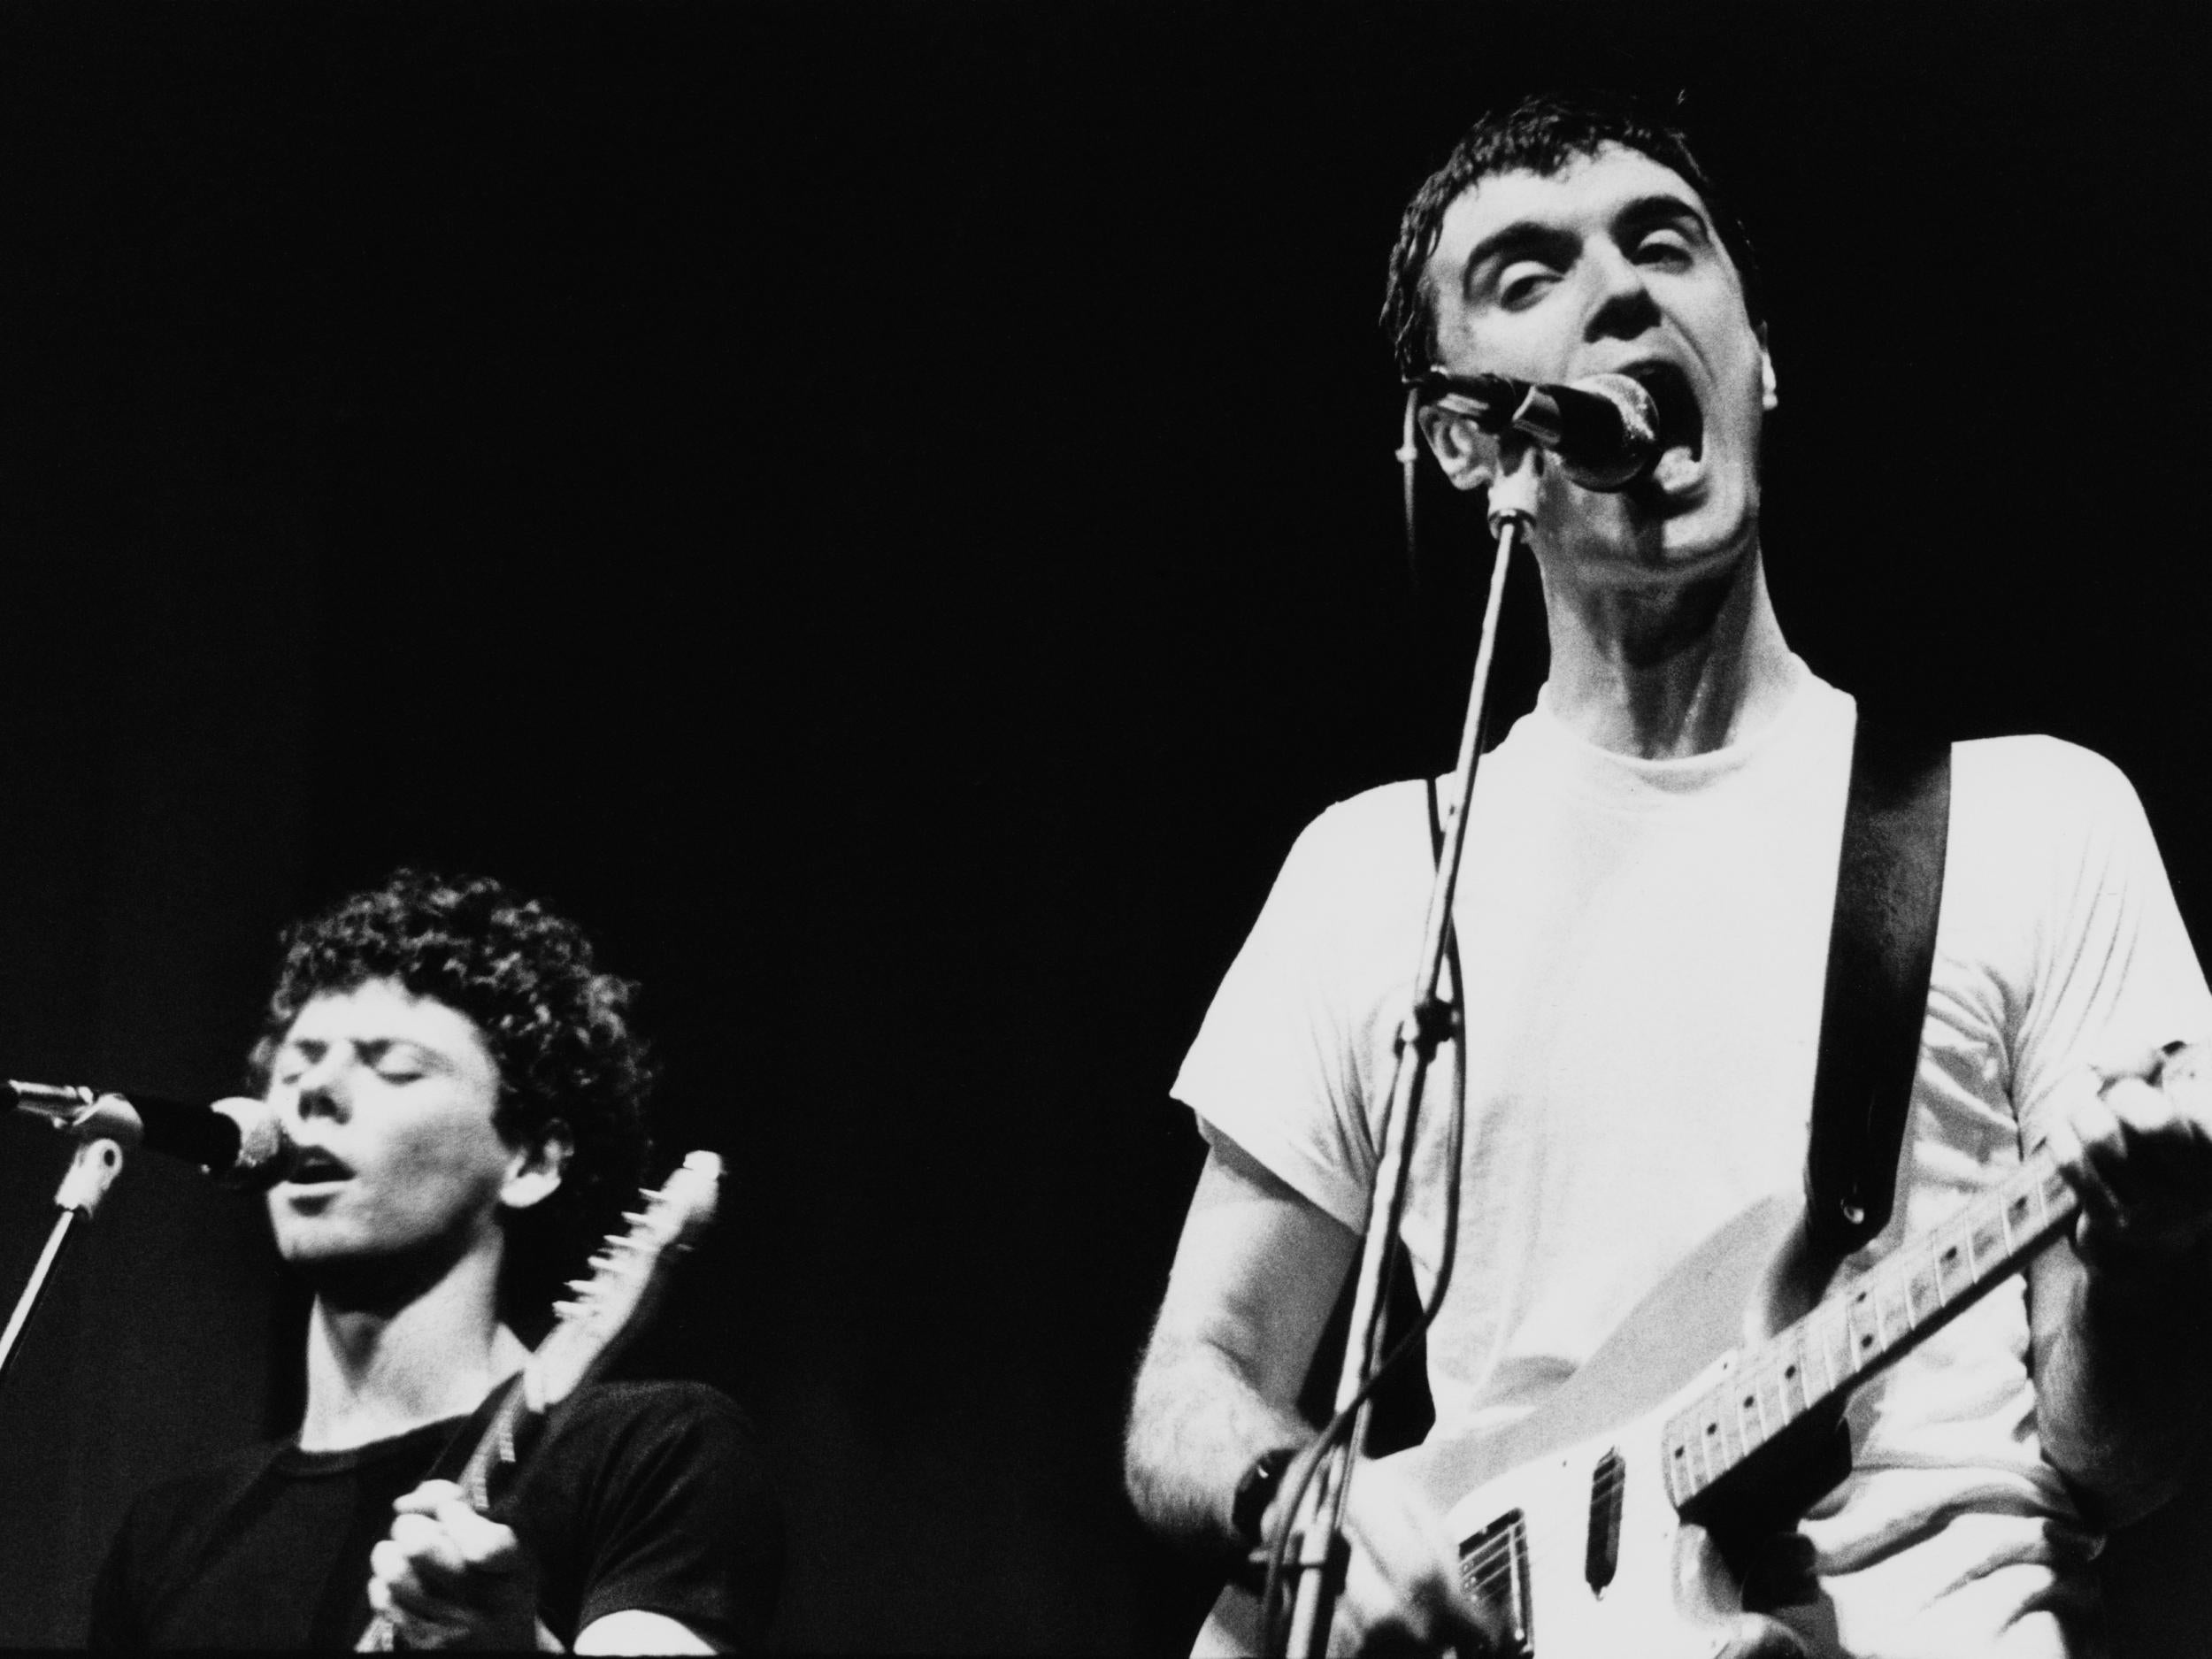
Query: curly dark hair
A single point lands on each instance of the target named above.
(558, 1029)
(1541, 134)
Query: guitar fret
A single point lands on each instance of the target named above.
(1932, 1297)
(1948, 1256)
(1795, 1371)
(1744, 1425)
(1717, 1462)
(1854, 1332)
(1864, 1343)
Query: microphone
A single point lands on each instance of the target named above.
(239, 1141)
(1604, 428)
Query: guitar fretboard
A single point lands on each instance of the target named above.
(1846, 1339)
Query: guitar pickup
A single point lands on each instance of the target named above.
(1494, 1569)
(1601, 1559)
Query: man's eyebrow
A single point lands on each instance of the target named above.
(1658, 206)
(1522, 234)
(370, 1049)
(375, 1048)
(1662, 207)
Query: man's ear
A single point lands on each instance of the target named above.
(536, 1171)
(1771, 391)
(1468, 458)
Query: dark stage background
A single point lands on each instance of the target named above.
(886, 513)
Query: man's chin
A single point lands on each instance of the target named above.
(346, 1273)
(1658, 557)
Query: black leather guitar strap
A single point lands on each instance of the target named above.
(1881, 949)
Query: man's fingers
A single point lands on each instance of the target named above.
(2187, 1064)
(415, 1629)
(425, 1498)
(2138, 1060)
(2067, 1141)
(404, 1591)
(428, 1546)
(1755, 1637)
(2138, 1153)
(483, 1544)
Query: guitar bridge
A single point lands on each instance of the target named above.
(1494, 1569)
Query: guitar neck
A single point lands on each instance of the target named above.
(606, 1306)
(497, 1448)
(1815, 1363)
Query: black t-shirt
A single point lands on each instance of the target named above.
(651, 1496)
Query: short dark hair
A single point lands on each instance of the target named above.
(1541, 134)
(558, 1029)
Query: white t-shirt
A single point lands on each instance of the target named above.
(1645, 943)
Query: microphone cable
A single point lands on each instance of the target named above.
(1274, 1639)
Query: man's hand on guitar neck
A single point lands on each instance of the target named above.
(450, 1577)
(2138, 1154)
(2120, 1355)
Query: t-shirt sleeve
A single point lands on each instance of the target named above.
(683, 1520)
(2115, 974)
(1276, 1066)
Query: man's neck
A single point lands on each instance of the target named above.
(373, 1373)
(1663, 674)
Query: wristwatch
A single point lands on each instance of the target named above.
(1256, 1490)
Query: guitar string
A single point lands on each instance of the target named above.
(1495, 1561)
(700, 1172)
(1502, 1557)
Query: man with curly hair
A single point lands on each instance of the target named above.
(464, 1092)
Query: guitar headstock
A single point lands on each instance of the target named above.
(625, 1272)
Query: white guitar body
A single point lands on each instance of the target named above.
(1670, 1595)
(1518, 1502)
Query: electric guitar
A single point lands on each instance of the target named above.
(609, 1305)
(1602, 1525)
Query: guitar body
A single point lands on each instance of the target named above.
(1523, 1503)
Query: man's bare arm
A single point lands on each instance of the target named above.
(1255, 1274)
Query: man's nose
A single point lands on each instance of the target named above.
(1621, 304)
(322, 1093)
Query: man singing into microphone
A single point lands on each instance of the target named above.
(1650, 873)
(464, 1092)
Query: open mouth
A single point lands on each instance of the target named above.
(1681, 422)
(312, 1165)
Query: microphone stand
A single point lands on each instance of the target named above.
(1319, 1519)
(91, 1171)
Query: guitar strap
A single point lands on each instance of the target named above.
(1881, 949)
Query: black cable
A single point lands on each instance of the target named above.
(1274, 1641)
